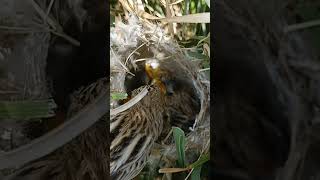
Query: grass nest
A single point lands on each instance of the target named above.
(137, 40)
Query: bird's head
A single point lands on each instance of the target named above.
(156, 75)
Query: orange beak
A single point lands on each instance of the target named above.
(153, 71)
(160, 84)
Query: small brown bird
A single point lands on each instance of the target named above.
(182, 102)
(135, 130)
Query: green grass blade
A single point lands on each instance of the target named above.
(196, 173)
(180, 142)
(27, 109)
(119, 96)
(203, 159)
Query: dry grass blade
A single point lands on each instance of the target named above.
(189, 174)
(172, 170)
(126, 6)
(191, 18)
(133, 52)
(49, 9)
(146, 15)
(176, 2)
(56, 28)
(120, 62)
(141, 59)
(168, 15)
(130, 103)
(304, 25)
(50, 21)
(205, 69)
(163, 3)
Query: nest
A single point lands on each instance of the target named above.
(136, 41)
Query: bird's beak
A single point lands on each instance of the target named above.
(154, 74)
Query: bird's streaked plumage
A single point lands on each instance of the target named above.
(170, 102)
(133, 133)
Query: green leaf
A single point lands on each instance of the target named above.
(196, 173)
(193, 7)
(119, 96)
(203, 159)
(180, 141)
(27, 109)
(197, 166)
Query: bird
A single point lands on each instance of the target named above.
(182, 100)
(134, 131)
(84, 158)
